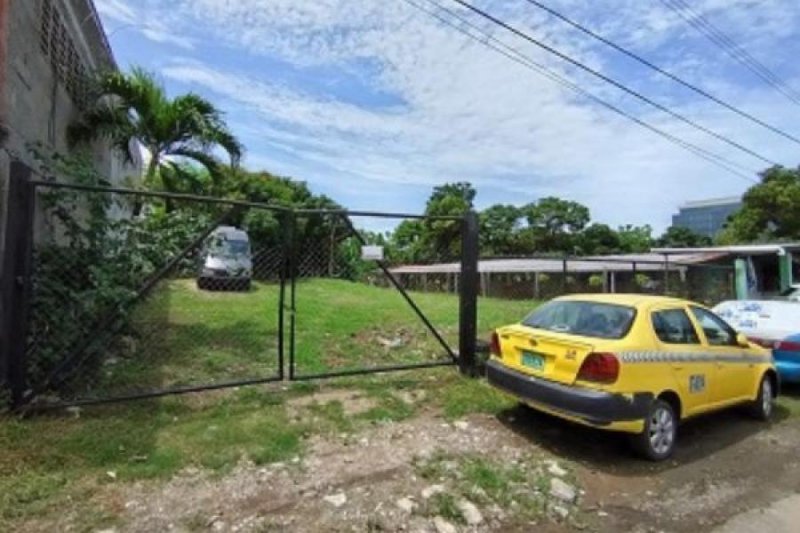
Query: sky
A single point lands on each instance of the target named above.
(374, 102)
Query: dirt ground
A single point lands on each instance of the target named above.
(371, 481)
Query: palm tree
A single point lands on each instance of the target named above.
(134, 107)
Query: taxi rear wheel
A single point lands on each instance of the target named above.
(657, 441)
(762, 407)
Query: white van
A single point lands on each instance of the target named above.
(772, 324)
(226, 261)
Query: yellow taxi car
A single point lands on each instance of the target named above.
(632, 363)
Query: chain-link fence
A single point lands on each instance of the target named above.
(351, 313)
(528, 280)
(122, 294)
(139, 293)
(130, 294)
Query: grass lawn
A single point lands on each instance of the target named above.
(185, 336)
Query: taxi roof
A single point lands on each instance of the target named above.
(631, 300)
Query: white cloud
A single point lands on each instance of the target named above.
(468, 113)
(116, 10)
(146, 21)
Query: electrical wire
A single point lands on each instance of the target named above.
(614, 82)
(663, 72)
(515, 55)
(699, 22)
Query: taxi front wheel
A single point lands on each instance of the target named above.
(657, 441)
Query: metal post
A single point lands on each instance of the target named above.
(666, 274)
(564, 276)
(468, 295)
(16, 281)
(785, 269)
(285, 274)
(291, 273)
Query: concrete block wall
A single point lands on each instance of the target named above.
(35, 103)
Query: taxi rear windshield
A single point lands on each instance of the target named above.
(588, 319)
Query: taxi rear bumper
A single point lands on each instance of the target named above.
(594, 407)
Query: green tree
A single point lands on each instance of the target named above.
(499, 227)
(134, 107)
(635, 239)
(598, 239)
(553, 224)
(680, 237)
(441, 239)
(406, 244)
(770, 209)
(266, 226)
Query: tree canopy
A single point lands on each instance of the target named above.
(770, 209)
(134, 107)
(549, 226)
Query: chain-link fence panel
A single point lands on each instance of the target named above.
(139, 294)
(352, 312)
(522, 283)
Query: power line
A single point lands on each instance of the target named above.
(729, 46)
(615, 83)
(519, 57)
(515, 55)
(661, 71)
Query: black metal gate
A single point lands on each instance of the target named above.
(380, 325)
(108, 295)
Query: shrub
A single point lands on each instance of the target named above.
(91, 257)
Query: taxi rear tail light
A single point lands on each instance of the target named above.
(494, 344)
(599, 368)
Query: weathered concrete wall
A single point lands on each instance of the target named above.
(49, 45)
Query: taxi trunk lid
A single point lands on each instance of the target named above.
(546, 354)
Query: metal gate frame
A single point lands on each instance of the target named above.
(469, 234)
(15, 310)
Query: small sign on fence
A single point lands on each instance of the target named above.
(372, 253)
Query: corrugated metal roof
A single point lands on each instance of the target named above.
(614, 263)
(739, 249)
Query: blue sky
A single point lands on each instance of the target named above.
(373, 102)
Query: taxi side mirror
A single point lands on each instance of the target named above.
(742, 340)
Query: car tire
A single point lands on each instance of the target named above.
(657, 441)
(764, 405)
(201, 284)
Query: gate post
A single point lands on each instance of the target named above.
(16, 285)
(468, 295)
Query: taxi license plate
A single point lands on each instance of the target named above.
(533, 360)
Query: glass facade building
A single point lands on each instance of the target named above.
(707, 217)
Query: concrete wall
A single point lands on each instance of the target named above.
(48, 46)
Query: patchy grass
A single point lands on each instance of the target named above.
(186, 336)
(57, 460)
(790, 401)
(516, 486)
(472, 396)
(45, 458)
(444, 505)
